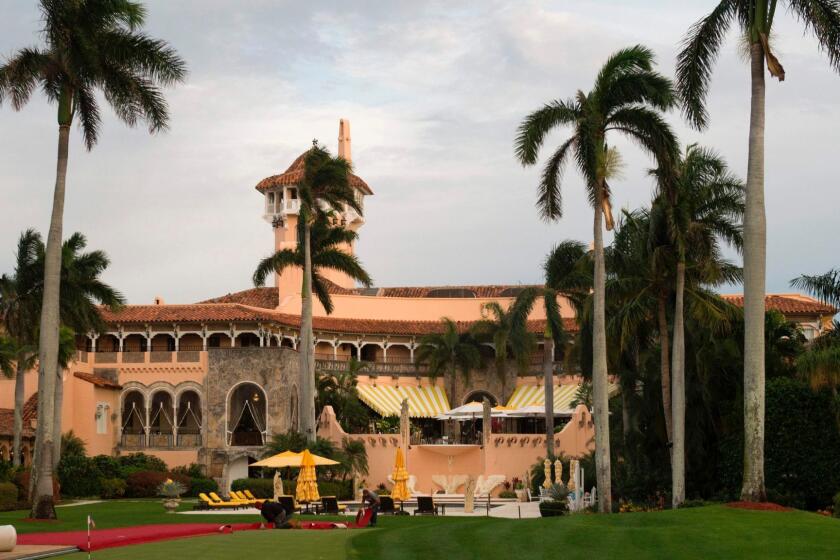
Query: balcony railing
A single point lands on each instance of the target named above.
(183, 355)
(161, 440)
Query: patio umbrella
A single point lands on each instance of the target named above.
(471, 411)
(307, 485)
(291, 459)
(400, 476)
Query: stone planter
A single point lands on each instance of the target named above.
(171, 504)
(522, 495)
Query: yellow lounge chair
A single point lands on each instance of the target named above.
(250, 495)
(241, 496)
(215, 504)
(232, 503)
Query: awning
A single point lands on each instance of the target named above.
(423, 402)
(526, 395)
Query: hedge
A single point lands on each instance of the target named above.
(111, 488)
(264, 487)
(199, 485)
(801, 447)
(8, 496)
(144, 484)
(79, 476)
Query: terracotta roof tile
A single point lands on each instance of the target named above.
(98, 381)
(30, 409)
(266, 298)
(197, 312)
(294, 174)
(7, 424)
(788, 304)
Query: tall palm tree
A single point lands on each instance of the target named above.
(339, 390)
(701, 45)
(702, 205)
(497, 326)
(326, 242)
(554, 336)
(90, 45)
(324, 189)
(626, 99)
(448, 352)
(19, 307)
(8, 353)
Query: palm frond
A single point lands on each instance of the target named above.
(538, 124)
(825, 287)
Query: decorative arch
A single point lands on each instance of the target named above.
(246, 415)
(479, 395)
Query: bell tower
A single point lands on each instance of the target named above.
(282, 208)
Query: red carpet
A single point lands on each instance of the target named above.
(107, 538)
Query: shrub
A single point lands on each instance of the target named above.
(837, 504)
(7, 471)
(144, 484)
(507, 494)
(8, 496)
(193, 470)
(110, 488)
(260, 487)
(78, 476)
(138, 462)
(109, 467)
(199, 485)
(341, 489)
(552, 508)
(171, 489)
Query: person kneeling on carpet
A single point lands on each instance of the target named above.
(275, 513)
(371, 498)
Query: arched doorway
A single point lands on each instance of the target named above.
(246, 420)
(161, 421)
(189, 419)
(133, 419)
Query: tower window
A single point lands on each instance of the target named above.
(293, 194)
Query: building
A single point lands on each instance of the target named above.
(211, 382)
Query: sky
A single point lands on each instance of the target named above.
(434, 92)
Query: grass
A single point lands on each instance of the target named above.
(708, 532)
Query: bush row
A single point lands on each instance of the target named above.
(264, 487)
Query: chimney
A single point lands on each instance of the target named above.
(159, 301)
(344, 139)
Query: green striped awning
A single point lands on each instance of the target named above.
(526, 395)
(423, 402)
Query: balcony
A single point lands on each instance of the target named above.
(137, 358)
(389, 366)
(281, 207)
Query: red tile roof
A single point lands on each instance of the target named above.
(266, 298)
(788, 304)
(197, 312)
(30, 413)
(98, 381)
(294, 175)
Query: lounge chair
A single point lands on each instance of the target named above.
(387, 506)
(250, 495)
(330, 506)
(242, 497)
(426, 506)
(233, 502)
(210, 503)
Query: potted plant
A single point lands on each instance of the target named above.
(519, 489)
(171, 491)
(557, 502)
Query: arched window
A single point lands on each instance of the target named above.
(133, 419)
(246, 420)
(189, 419)
(161, 421)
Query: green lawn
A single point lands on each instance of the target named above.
(709, 532)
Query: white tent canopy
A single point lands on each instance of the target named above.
(470, 411)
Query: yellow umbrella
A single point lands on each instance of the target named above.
(307, 485)
(291, 459)
(400, 476)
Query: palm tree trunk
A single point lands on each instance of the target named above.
(665, 369)
(678, 389)
(600, 397)
(307, 346)
(20, 394)
(42, 469)
(548, 380)
(59, 401)
(755, 249)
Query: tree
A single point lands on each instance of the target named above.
(554, 336)
(338, 389)
(354, 459)
(90, 45)
(496, 326)
(19, 305)
(326, 241)
(626, 98)
(324, 190)
(825, 287)
(701, 45)
(702, 205)
(448, 352)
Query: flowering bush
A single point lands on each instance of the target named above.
(171, 488)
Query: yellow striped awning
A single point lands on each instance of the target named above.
(526, 395)
(423, 402)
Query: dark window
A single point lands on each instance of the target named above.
(214, 341)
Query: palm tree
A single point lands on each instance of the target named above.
(625, 99)
(754, 19)
(19, 306)
(326, 241)
(496, 326)
(825, 287)
(90, 45)
(702, 204)
(339, 390)
(8, 352)
(448, 352)
(554, 336)
(324, 189)
(354, 459)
